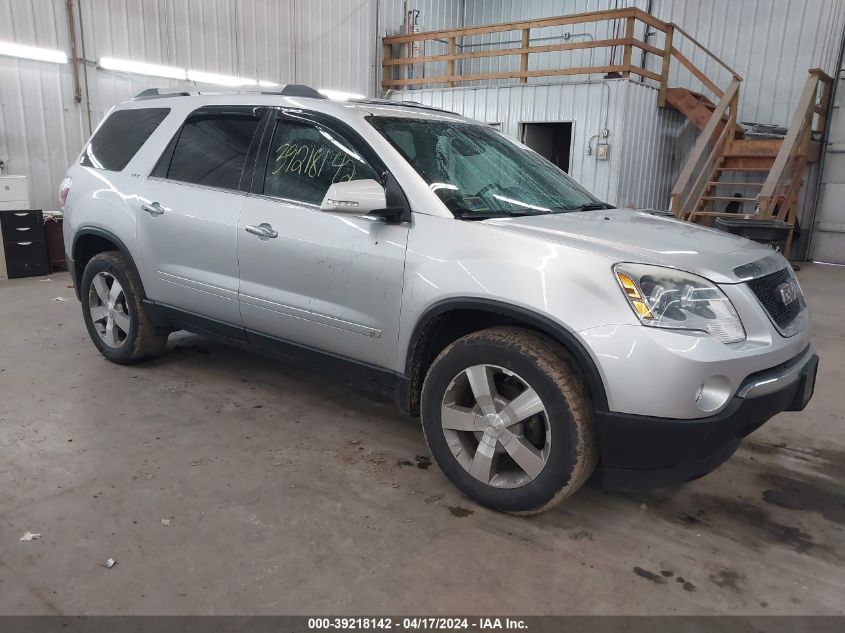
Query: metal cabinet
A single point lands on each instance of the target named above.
(24, 248)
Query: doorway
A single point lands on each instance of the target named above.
(553, 141)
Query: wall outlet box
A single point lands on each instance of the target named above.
(602, 151)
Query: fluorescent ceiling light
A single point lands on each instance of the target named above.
(219, 80)
(142, 68)
(340, 96)
(268, 84)
(30, 52)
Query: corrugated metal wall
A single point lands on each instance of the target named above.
(335, 44)
(828, 241)
(322, 43)
(654, 145)
(41, 129)
(643, 161)
(771, 43)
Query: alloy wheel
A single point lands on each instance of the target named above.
(496, 426)
(109, 309)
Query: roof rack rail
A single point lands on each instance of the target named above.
(158, 93)
(407, 104)
(289, 90)
(296, 90)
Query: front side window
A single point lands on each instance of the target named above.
(211, 149)
(304, 161)
(479, 172)
(120, 137)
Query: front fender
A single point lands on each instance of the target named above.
(453, 264)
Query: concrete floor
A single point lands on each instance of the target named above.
(288, 493)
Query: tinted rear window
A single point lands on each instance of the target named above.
(211, 150)
(120, 137)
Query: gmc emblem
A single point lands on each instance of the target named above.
(789, 291)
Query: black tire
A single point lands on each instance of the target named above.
(143, 340)
(548, 369)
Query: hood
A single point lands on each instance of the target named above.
(627, 235)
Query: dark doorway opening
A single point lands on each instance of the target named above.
(553, 141)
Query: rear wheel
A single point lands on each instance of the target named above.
(114, 313)
(508, 420)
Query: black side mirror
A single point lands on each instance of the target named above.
(394, 215)
(397, 208)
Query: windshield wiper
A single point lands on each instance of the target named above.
(592, 206)
(463, 213)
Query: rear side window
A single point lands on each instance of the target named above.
(211, 150)
(120, 137)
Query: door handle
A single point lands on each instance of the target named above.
(153, 208)
(262, 230)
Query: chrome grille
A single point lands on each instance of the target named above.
(769, 289)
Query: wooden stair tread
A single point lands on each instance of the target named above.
(733, 198)
(678, 93)
(758, 156)
(718, 183)
(694, 106)
(755, 169)
(726, 214)
(745, 162)
(754, 148)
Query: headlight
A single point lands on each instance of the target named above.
(669, 298)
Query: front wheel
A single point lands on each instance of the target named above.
(508, 420)
(114, 313)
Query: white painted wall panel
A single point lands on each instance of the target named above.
(322, 43)
(828, 241)
(335, 44)
(40, 126)
(654, 145)
(770, 43)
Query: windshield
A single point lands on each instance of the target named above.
(479, 172)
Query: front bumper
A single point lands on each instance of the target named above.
(640, 452)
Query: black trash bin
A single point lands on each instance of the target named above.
(773, 233)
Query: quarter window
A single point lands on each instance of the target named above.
(120, 137)
(304, 161)
(211, 150)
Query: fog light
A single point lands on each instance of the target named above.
(713, 393)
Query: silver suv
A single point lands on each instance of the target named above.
(542, 335)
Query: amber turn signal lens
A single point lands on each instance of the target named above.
(634, 296)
